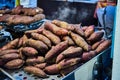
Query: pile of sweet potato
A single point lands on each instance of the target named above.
(55, 48)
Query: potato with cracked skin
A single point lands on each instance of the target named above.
(70, 41)
(41, 38)
(80, 41)
(55, 51)
(36, 71)
(55, 29)
(54, 39)
(14, 64)
(35, 60)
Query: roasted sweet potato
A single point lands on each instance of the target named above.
(41, 65)
(104, 45)
(36, 71)
(69, 53)
(89, 30)
(63, 24)
(14, 64)
(52, 69)
(96, 36)
(38, 17)
(11, 45)
(55, 51)
(70, 41)
(95, 45)
(55, 29)
(41, 38)
(8, 57)
(39, 45)
(65, 63)
(8, 51)
(29, 51)
(80, 41)
(55, 39)
(35, 60)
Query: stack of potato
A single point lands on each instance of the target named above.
(56, 47)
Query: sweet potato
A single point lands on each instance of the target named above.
(65, 63)
(89, 30)
(63, 24)
(55, 39)
(96, 36)
(36, 71)
(104, 45)
(25, 38)
(79, 31)
(38, 17)
(69, 53)
(41, 65)
(8, 51)
(20, 43)
(14, 64)
(8, 57)
(55, 51)
(39, 45)
(11, 45)
(95, 45)
(80, 41)
(41, 38)
(29, 51)
(55, 29)
(35, 60)
(52, 69)
(84, 28)
(70, 41)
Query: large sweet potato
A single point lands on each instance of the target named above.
(14, 64)
(52, 69)
(55, 29)
(65, 63)
(69, 53)
(11, 45)
(29, 51)
(35, 60)
(80, 41)
(104, 45)
(89, 30)
(41, 38)
(8, 51)
(8, 57)
(39, 45)
(70, 41)
(55, 51)
(36, 71)
(55, 39)
(63, 24)
(96, 36)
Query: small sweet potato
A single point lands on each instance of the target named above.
(11, 45)
(55, 39)
(52, 69)
(63, 24)
(95, 45)
(55, 29)
(35, 60)
(80, 41)
(70, 41)
(55, 51)
(8, 57)
(65, 63)
(69, 53)
(41, 65)
(39, 45)
(41, 38)
(104, 45)
(8, 51)
(89, 30)
(29, 51)
(14, 64)
(20, 43)
(96, 36)
(36, 71)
